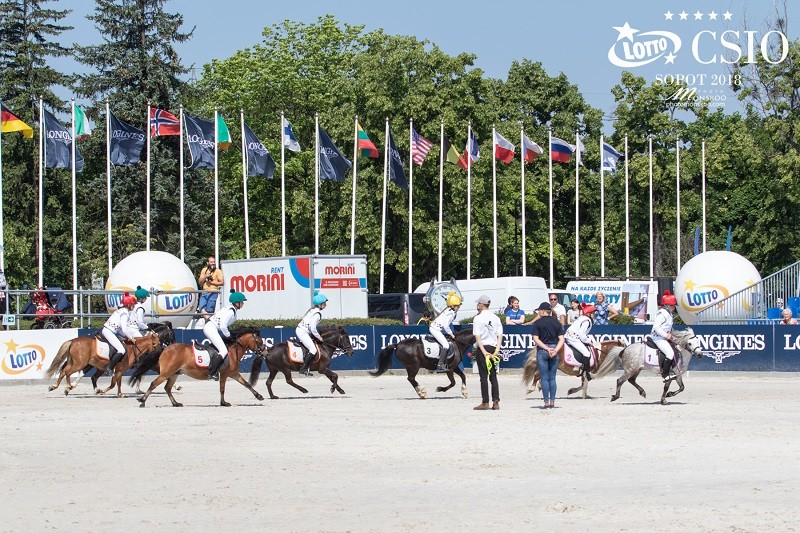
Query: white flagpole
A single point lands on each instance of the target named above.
(550, 205)
(74, 219)
(577, 207)
(180, 179)
(469, 201)
(410, 204)
(216, 185)
(353, 205)
(494, 197)
(704, 193)
(678, 201)
(108, 185)
(283, 190)
(383, 207)
(244, 187)
(650, 145)
(147, 184)
(316, 185)
(522, 199)
(42, 159)
(627, 218)
(442, 156)
(602, 213)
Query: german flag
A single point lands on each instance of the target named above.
(12, 122)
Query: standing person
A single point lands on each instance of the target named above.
(307, 328)
(574, 312)
(136, 317)
(440, 329)
(514, 315)
(605, 312)
(662, 332)
(559, 311)
(786, 318)
(577, 337)
(211, 280)
(216, 330)
(118, 326)
(488, 333)
(548, 336)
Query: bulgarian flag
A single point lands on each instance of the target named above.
(11, 122)
(223, 135)
(365, 146)
(82, 129)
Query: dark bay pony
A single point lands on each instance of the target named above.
(81, 353)
(532, 378)
(277, 359)
(179, 357)
(410, 352)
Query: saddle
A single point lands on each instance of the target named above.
(203, 353)
(297, 351)
(653, 351)
(432, 349)
(569, 357)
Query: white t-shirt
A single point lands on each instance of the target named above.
(487, 327)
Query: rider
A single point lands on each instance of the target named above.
(216, 330)
(118, 326)
(577, 337)
(307, 328)
(136, 318)
(440, 328)
(662, 331)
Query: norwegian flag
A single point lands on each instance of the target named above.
(163, 123)
(420, 146)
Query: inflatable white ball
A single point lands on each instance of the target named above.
(160, 271)
(713, 276)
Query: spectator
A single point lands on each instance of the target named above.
(548, 336)
(574, 312)
(514, 315)
(488, 337)
(559, 311)
(605, 312)
(425, 319)
(787, 319)
(210, 279)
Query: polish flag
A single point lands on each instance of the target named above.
(503, 149)
(530, 150)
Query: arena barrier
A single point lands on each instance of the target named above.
(27, 354)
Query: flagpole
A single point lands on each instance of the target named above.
(216, 184)
(41, 189)
(108, 186)
(550, 202)
(704, 193)
(410, 203)
(627, 218)
(147, 181)
(383, 205)
(678, 201)
(522, 199)
(469, 200)
(577, 204)
(355, 176)
(180, 180)
(650, 148)
(283, 190)
(74, 219)
(244, 186)
(316, 186)
(602, 211)
(441, 192)
(2, 229)
(494, 197)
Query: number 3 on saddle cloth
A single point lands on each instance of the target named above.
(431, 347)
(653, 356)
(569, 357)
(297, 351)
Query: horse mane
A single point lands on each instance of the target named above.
(244, 330)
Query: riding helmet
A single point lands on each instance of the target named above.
(236, 297)
(319, 298)
(453, 299)
(668, 299)
(128, 299)
(141, 293)
(588, 309)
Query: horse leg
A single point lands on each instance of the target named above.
(679, 380)
(222, 379)
(412, 373)
(95, 378)
(168, 389)
(272, 373)
(238, 377)
(287, 375)
(576, 389)
(622, 379)
(536, 384)
(452, 382)
(114, 381)
(61, 375)
(632, 381)
(156, 382)
(460, 373)
(334, 377)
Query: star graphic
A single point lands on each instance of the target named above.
(625, 32)
(712, 16)
(39, 366)
(167, 286)
(689, 285)
(698, 16)
(11, 346)
(670, 58)
(668, 15)
(683, 15)
(727, 15)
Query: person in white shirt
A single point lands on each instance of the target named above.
(662, 331)
(118, 326)
(577, 337)
(306, 330)
(136, 317)
(216, 330)
(574, 312)
(559, 311)
(488, 331)
(440, 329)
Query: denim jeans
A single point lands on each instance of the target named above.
(487, 377)
(547, 370)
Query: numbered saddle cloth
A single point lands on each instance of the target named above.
(202, 357)
(101, 348)
(569, 356)
(297, 351)
(430, 347)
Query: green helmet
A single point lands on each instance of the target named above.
(236, 297)
(141, 293)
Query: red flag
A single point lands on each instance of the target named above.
(163, 123)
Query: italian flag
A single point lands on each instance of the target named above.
(365, 146)
(82, 129)
(223, 135)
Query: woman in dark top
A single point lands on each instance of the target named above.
(548, 336)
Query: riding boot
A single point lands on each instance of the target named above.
(666, 366)
(441, 367)
(306, 368)
(112, 362)
(213, 366)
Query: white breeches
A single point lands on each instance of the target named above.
(212, 333)
(305, 338)
(439, 336)
(665, 346)
(578, 346)
(113, 340)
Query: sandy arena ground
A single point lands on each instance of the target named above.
(722, 457)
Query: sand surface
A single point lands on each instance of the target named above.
(723, 456)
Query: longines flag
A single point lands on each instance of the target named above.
(58, 145)
(259, 160)
(332, 164)
(126, 142)
(200, 137)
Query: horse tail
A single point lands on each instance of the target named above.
(384, 360)
(62, 357)
(256, 370)
(530, 368)
(146, 362)
(611, 362)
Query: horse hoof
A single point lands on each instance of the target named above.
(66, 392)
(439, 389)
(463, 392)
(224, 404)
(341, 390)
(259, 398)
(176, 404)
(120, 395)
(273, 397)
(613, 398)
(141, 404)
(422, 393)
(51, 388)
(644, 395)
(663, 401)
(333, 388)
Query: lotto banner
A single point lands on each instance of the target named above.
(28, 354)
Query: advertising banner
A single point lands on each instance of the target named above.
(28, 354)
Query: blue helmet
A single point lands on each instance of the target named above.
(319, 298)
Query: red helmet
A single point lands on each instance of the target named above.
(668, 298)
(588, 309)
(128, 299)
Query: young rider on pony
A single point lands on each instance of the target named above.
(216, 330)
(118, 326)
(307, 328)
(662, 331)
(136, 317)
(440, 328)
(577, 337)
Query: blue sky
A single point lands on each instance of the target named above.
(573, 37)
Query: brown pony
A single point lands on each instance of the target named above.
(80, 354)
(277, 359)
(179, 357)
(532, 378)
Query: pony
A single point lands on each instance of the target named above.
(632, 359)
(81, 354)
(532, 378)
(410, 352)
(277, 359)
(179, 357)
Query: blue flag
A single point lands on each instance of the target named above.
(200, 138)
(332, 164)
(610, 158)
(58, 145)
(126, 142)
(396, 172)
(259, 160)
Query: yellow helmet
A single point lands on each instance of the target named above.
(453, 299)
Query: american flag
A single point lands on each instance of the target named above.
(420, 146)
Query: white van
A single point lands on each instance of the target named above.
(640, 298)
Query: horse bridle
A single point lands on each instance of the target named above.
(259, 342)
(338, 344)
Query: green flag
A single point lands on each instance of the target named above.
(82, 129)
(223, 135)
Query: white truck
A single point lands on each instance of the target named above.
(282, 287)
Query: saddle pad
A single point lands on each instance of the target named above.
(295, 353)
(431, 348)
(201, 357)
(651, 356)
(569, 357)
(101, 348)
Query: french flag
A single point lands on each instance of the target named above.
(503, 149)
(560, 150)
(530, 150)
